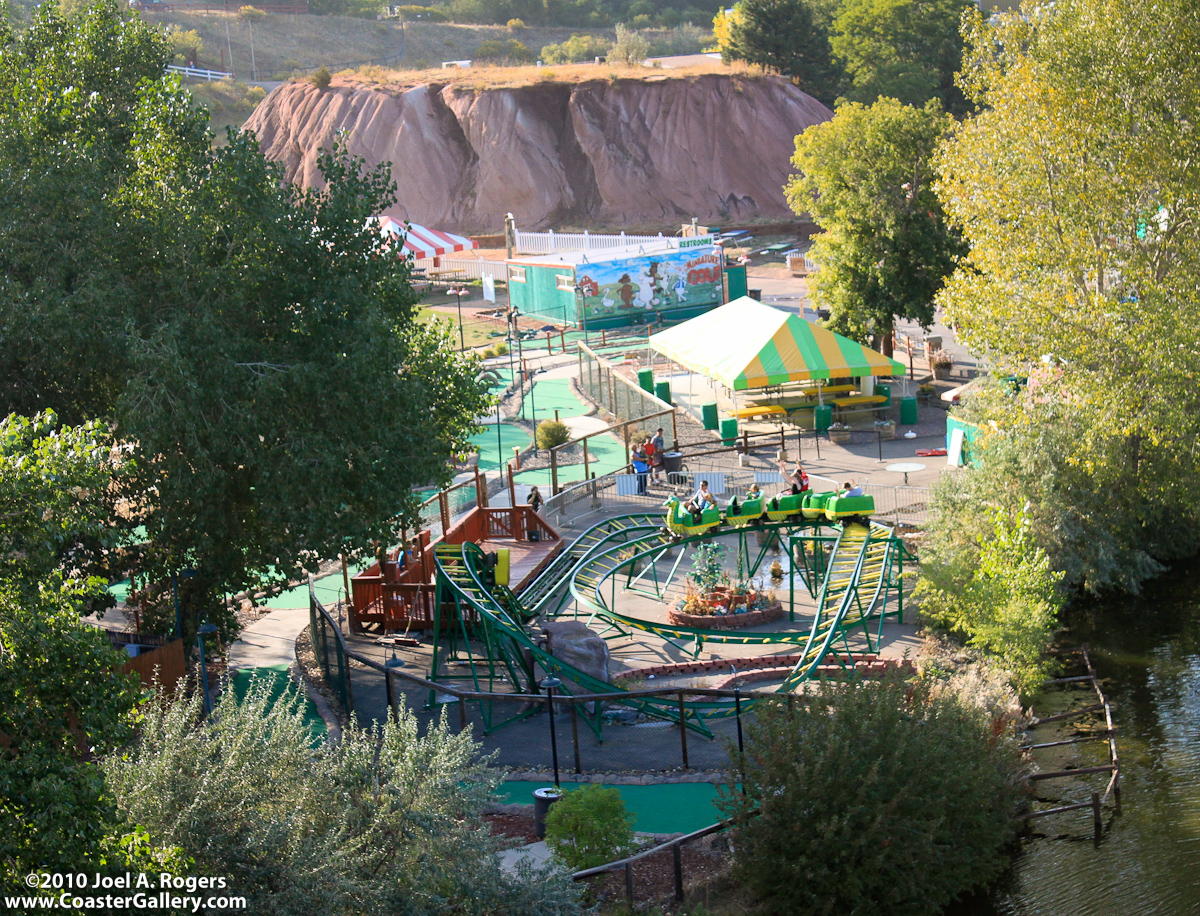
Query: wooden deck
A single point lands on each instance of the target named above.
(525, 559)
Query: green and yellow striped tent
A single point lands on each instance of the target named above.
(745, 344)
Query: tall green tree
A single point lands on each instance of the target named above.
(254, 341)
(1077, 188)
(63, 701)
(904, 49)
(885, 247)
(786, 36)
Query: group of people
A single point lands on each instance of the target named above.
(795, 483)
(647, 461)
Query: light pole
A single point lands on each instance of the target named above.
(490, 376)
(201, 631)
(548, 684)
(458, 293)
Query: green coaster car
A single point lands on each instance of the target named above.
(681, 522)
(739, 514)
(814, 504)
(849, 506)
(783, 506)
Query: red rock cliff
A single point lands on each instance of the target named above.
(626, 152)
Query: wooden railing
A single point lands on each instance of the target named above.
(1113, 767)
(676, 846)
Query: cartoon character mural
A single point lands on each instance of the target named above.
(684, 279)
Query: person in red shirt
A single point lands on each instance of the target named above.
(797, 480)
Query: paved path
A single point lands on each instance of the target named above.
(270, 641)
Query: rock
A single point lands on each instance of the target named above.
(574, 643)
(715, 146)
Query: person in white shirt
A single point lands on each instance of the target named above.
(849, 488)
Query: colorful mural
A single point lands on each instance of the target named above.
(655, 283)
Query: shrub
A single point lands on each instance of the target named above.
(575, 49)
(494, 49)
(251, 14)
(631, 47)
(873, 797)
(515, 25)
(499, 348)
(344, 805)
(551, 433)
(321, 78)
(589, 826)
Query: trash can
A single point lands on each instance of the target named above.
(542, 800)
(756, 294)
(646, 380)
(822, 417)
(672, 461)
(886, 391)
(729, 430)
(908, 411)
(709, 414)
(662, 391)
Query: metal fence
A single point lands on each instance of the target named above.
(620, 396)
(330, 649)
(550, 242)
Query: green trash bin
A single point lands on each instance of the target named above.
(908, 411)
(662, 391)
(646, 380)
(729, 430)
(709, 413)
(886, 391)
(822, 417)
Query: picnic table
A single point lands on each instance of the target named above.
(863, 402)
(447, 273)
(762, 410)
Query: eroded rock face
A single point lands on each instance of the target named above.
(714, 146)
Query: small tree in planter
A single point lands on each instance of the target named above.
(940, 364)
(839, 433)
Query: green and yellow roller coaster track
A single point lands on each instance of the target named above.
(486, 638)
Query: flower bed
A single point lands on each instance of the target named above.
(727, 621)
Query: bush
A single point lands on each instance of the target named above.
(499, 348)
(494, 49)
(631, 47)
(575, 49)
(345, 806)
(551, 433)
(874, 797)
(321, 78)
(589, 826)
(515, 25)
(251, 14)
(423, 13)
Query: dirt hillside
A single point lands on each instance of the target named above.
(593, 151)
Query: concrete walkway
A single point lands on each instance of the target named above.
(269, 641)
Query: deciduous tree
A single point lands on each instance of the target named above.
(904, 49)
(885, 248)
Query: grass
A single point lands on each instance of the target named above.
(476, 332)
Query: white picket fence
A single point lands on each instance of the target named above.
(198, 73)
(472, 268)
(550, 242)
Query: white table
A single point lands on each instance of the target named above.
(906, 468)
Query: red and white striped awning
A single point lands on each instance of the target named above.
(421, 241)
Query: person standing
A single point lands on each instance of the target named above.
(656, 461)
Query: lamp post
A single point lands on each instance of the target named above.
(548, 684)
(201, 631)
(458, 293)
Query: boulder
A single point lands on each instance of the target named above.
(574, 643)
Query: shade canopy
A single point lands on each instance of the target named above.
(745, 344)
(421, 241)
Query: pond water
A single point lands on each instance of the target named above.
(1146, 649)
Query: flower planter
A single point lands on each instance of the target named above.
(886, 432)
(727, 621)
(941, 371)
(839, 436)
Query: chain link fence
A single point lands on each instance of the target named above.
(609, 388)
(329, 648)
